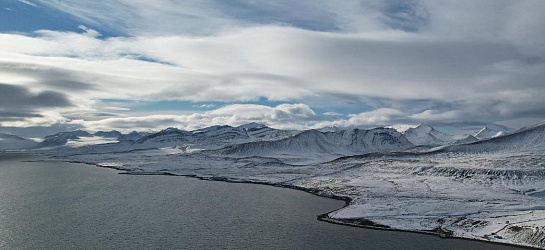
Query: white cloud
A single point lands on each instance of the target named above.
(88, 31)
(116, 108)
(205, 106)
(28, 3)
(402, 127)
(292, 116)
(333, 114)
(275, 62)
(278, 63)
(47, 118)
(378, 117)
(477, 60)
(437, 116)
(157, 17)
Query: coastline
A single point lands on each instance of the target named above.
(360, 222)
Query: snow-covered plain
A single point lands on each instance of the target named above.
(491, 190)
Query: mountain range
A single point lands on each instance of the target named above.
(13, 142)
(486, 186)
(259, 140)
(312, 142)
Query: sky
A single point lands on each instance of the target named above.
(148, 65)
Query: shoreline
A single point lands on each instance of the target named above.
(360, 222)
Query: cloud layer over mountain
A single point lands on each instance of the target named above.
(369, 62)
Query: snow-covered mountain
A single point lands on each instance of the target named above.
(530, 138)
(132, 136)
(401, 128)
(108, 134)
(330, 129)
(218, 136)
(214, 137)
(260, 140)
(465, 139)
(252, 125)
(369, 140)
(493, 130)
(311, 142)
(264, 133)
(426, 135)
(80, 138)
(12, 142)
(62, 138)
(165, 138)
(491, 190)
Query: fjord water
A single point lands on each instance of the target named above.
(56, 205)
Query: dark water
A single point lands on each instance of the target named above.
(54, 205)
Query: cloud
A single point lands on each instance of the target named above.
(378, 117)
(18, 97)
(20, 107)
(45, 118)
(282, 116)
(410, 16)
(205, 106)
(28, 3)
(116, 108)
(89, 32)
(306, 14)
(333, 114)
(257, 62)
(384, 61)
(141, 17)
(436, 116)
(278, 63)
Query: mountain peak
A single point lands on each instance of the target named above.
(170, 129)
(423, 127)
(497, 127)
(493, 130)
(401, 128)
(252, 125)
(424, 134)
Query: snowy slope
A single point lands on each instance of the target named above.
(531, 138)
(227, 135)
(265, 133)
(214, 137)
(132, 136)
(13, 142)
(330, 129)
(307, 142)
(62, 138)
(466, 139)
(425, 134)
(493, 130)
(401, 128)
(312, 142)
(81, 138)
(491, 190)
(219, 137)
(108, 134)
(165, 138)
(252, 125)
(369, 140)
